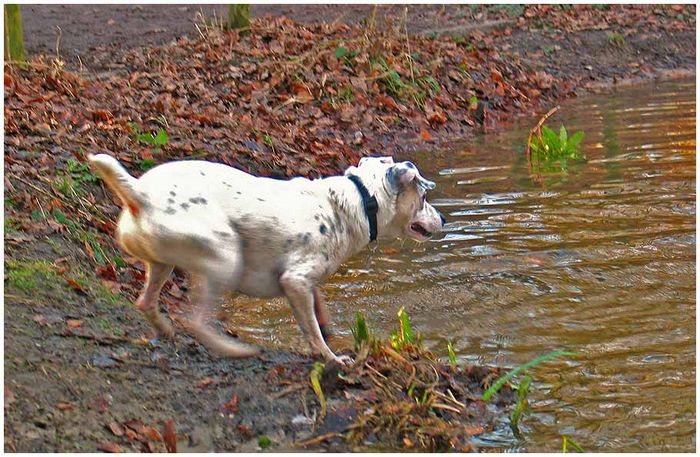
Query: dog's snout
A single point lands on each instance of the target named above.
(442, 218)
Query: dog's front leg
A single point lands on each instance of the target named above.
(322, 315)
(300, 292)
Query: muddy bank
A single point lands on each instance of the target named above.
(82, 375)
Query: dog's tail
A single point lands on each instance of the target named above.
(120, 181)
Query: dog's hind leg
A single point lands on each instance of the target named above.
(210, 287)
(156, 275)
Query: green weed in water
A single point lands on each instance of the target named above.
(566, 440)
(551, 152)
(517, 370)
(521, 405)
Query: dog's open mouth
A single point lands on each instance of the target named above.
(417, 228)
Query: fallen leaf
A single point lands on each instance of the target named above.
(205, 382)
(74, 284)
(169, 436)
(425, 135)
(150, 433)
(9, 397)
(74, 323)
(232, 405)
(109, 447)
(64, 406)
(116, 428)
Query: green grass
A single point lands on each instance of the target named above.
(360, 332)
(264, 442)
(30, 275)
(11, 225)
(615, 39)
(566, 440)
(404, 335)
(496, 386)
(451, 354)
(80, 171)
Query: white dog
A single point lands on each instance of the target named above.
(259, 236)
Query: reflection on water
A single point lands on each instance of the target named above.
(600, 261)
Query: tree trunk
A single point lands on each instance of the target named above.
(239, 17)
(14, 38)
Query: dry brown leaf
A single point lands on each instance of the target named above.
(169, 436)
(109, 447)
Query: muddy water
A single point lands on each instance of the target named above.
(599, 260)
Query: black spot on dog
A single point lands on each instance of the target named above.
(410, 165)
(260, 199)
(201, 173)
(307, 238)
(325, 256)
(317, 217)
(238, 192)
(222, 234)
(172, 193)
(322, 229)
(198, 200)
(171, 201)
(184, 206)
(170, 210)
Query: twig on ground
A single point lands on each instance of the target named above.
(536, 129)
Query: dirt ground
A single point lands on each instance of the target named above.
(85, 29)
(80, 371)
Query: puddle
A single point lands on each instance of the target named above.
(600, 261)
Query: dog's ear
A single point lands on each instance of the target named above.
(404, 174)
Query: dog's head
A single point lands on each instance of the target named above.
(401, 192)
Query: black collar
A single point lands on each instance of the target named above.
(369, 202)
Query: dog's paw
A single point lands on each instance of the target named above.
(344, 360)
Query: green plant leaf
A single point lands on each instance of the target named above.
(515, 371)
(161, 138)
(341, 52)
(316, 385)
(562, 135)
(146, 164)
(406, 334)
(521, 404)
(575, 139)
(451, 354)
(566, 439)
(360, 331)
(264, 442)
